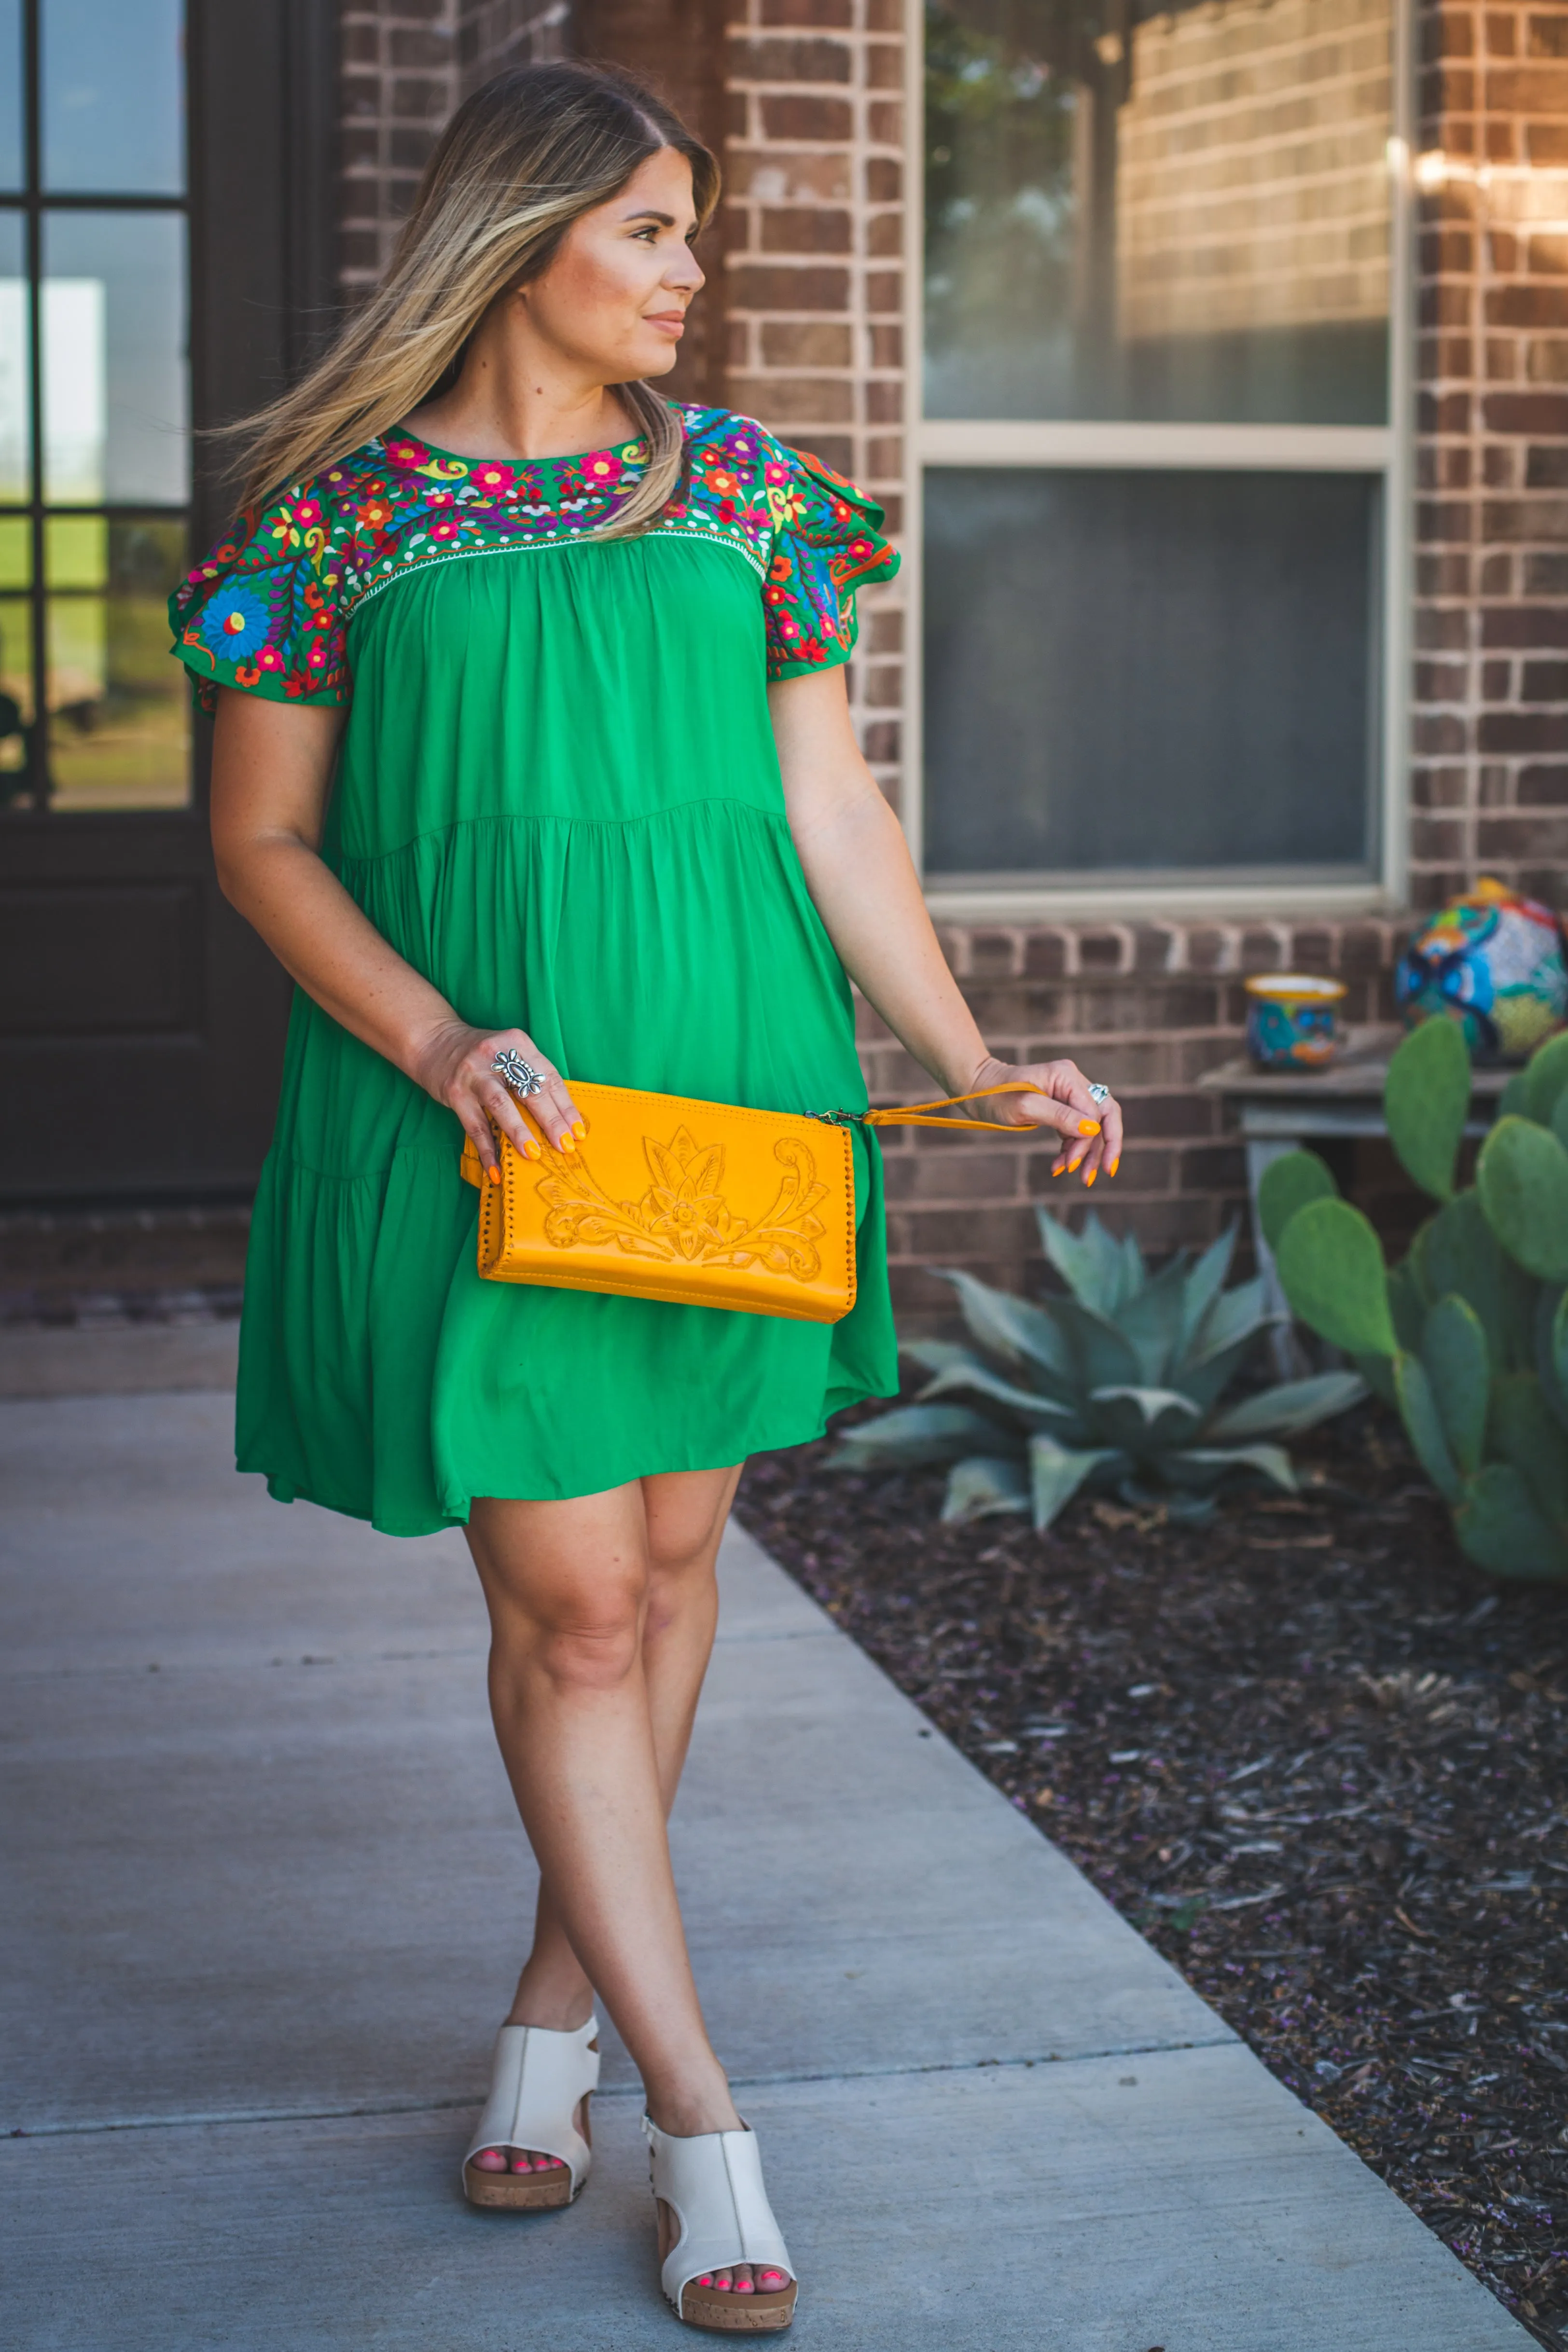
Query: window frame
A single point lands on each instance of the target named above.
(33, 205)
(1385, 451)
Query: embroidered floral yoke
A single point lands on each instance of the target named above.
(557, 796)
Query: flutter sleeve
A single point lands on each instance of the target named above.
(262, 611)
(826, 543)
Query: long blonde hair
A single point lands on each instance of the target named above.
(521, 160)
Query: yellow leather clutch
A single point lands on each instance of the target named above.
(699, 1203)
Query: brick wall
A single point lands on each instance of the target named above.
(813, 282)
(1491, 782)
(406, 65)
(1145, 1007)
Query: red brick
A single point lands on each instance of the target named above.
(1546, 36)
(1523, 837)
(756, 287)
(1543, 786)
(1522, 730)
(1544, 681)
(828, 119)
(808, 12)
(814, 229)
(810, 62)
(1528, 305)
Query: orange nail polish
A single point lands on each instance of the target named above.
(1088, 1126)
(1091, 1177)
(566, 1144)
(1114, 1165)
(535, 1153)
(1073, 1164)
(494, 1175)
(581, 1127)
(1061, 1170)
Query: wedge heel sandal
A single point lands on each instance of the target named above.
(714, 2204)
(541, 2083)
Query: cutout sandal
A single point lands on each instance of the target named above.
(541, 2083)
(712, 2200)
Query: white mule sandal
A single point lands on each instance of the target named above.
(540, 2081)
(713, 2187)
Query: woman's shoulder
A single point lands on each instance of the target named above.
(796, 481)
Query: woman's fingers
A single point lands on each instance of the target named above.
(551, 1110)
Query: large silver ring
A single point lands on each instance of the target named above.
(521, 1077)
(1099, 1094)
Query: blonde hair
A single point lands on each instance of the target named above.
(524, 157)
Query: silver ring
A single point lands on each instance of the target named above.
(1099, 1094)
(521, 1077)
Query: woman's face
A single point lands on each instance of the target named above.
(614, 297)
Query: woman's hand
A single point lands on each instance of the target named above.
(454, 1064)
(1089, 1131)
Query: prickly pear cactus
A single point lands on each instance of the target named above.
(1468, 1337)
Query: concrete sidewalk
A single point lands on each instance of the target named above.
(267, 1892)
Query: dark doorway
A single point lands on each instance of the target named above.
(167, 243)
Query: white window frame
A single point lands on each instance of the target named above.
(1387, 451)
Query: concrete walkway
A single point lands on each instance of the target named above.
(266, 1891)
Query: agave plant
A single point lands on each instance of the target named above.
(1115, 1387)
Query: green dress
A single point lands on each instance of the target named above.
(558, 797)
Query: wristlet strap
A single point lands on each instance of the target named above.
(921, 1114)
(917, 1115)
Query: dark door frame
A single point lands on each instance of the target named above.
(158, 1083)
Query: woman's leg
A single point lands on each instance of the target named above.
(602, 1615)
(684, 1515)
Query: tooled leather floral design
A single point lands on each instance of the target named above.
(268, 610)
(683, 1218)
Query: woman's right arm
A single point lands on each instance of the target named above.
(272, 769)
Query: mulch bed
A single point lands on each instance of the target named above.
(1314, 1756)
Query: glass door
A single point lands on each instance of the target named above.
(1163, 443)
(94, 403)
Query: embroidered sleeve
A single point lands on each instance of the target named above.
(825, 544)
(262, 611)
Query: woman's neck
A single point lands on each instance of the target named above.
(510, 402)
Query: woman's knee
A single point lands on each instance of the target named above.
(581, 1632)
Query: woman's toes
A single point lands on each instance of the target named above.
(722, 2280)
(772, 2282)
(489, 2159)
(744, 2280)
(521, 2162)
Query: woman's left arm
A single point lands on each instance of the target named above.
(858, 871)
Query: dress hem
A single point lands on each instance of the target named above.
(285, 1490)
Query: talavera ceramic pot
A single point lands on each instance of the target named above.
(1292, 1019)
(1492, 962)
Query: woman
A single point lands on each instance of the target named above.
(532, 742)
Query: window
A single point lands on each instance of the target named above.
(94, 438)
(1162, 447)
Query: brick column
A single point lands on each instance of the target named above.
(399, 85)
(814, 232)
(1491, 776)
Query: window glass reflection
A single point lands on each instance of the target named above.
(1158, 209)
(15, 448)
(16, 694)
(114, 351)
(119, 715)
(1131, 671)
(113, 95)
(13, 169)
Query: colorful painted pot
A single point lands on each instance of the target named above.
(1493, 961)
(1291, 1021)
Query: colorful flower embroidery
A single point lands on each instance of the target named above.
(270, 610)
